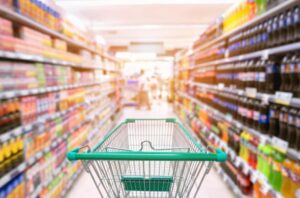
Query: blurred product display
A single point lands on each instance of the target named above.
(238, 90)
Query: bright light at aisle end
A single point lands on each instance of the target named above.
(140, 2)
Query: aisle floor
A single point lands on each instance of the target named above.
(213, 186)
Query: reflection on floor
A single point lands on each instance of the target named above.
(213, 186)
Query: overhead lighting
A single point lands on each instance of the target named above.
(141, 2)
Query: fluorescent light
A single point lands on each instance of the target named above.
(141, 2)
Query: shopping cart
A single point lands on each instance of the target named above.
(148, 158)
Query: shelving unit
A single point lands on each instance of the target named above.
(86, 107)
(200, 95)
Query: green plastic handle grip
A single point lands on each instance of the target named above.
(218, 156)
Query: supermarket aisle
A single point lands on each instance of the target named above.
(213, 186)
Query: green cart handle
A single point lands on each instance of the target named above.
(218, 155)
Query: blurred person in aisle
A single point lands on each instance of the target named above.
(143, 91)
(154, 88)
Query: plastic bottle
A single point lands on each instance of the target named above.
(283, 125)
(295, 175)
(256, 114)
(263, 118)
(296, 20)
(293, 75)
(275, 178)
(291, 136)
(297, 141)
(260, 76)
(273, 79)
(274, 120)
(286, 188)
(290, 28)
(284, 73)
(282, 29)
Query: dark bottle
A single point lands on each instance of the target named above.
(270, 34)
(259, 33)
(273, 80)
(296, 20)
(274, 120)
(282, 29)
(283, 124)
(293, 75)
(256, 114)
(297, 143)
(296, 77)
(263, 118)
(290, 29)
(291, 137)
(250, 77)
(275, 32)
(265, 36)
(284, 74)
(260, 76)
(250, 111)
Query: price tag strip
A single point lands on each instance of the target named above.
(283, 98)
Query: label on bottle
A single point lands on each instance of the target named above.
(296, 16)
(298, 121)
(262, 77)
(263, 119)
(256, 115)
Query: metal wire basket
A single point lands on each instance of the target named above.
(148, 158)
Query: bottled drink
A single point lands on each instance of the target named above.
(296, 20)
(263, 118)
(260, 76)
(291, 136)
(273, 80)
(297, 142)
(275, 32)
(293, 70)
(250, 76)
(250, 111)
(256, 114)
(284, 73)
(282, 29)
(274, 120)
(290, 29)
(283, 125)
(296, 77)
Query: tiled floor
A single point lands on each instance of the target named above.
(213, 186)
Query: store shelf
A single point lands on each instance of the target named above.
(55, 173)
(258, 54)
(36, 58)
(35, 91)
(220, 116)
(239, 162)
(23, 20)
(38, 155)
(229, 182)
(256, 20)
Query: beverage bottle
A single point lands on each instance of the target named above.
(297, 141)
(274, 32)
(275, 178)
(282, 29)
(283, 124)
(291, 136)
(274, 120)
(286, 188)
(250, 110)
(260, 76)
(256, 114)
(293, 75)
(290, 29)
(296, 77)
(273, 80)
(296, 20)
(250, 79)
(284, 74)
(264, 35)
(263, 118)
(295, 175)
(290, 67)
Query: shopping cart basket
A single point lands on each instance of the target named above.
(148, 158)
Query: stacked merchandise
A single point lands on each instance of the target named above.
(55, 94)
(240, 93)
